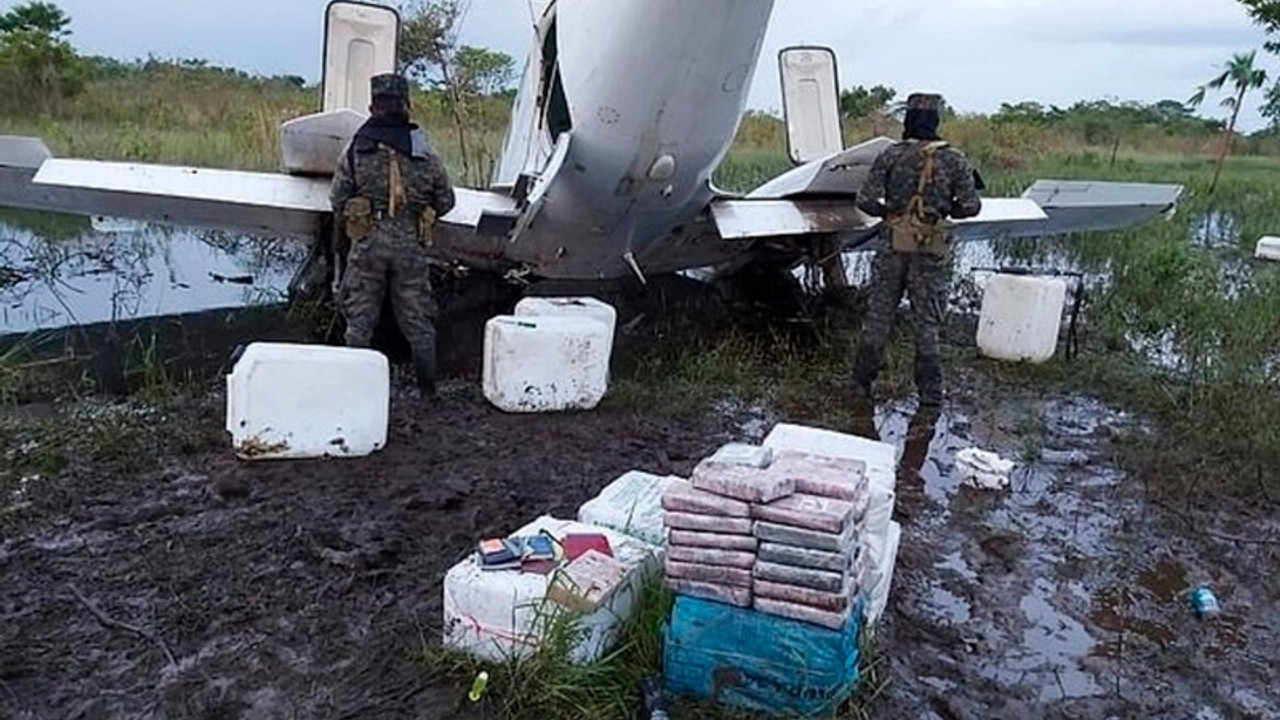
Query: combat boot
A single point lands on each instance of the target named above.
(424, 366)
(929, 380)
(866, 366)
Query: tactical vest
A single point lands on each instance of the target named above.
(360, 215)
(911, 231)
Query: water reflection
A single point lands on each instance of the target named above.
(58, 271)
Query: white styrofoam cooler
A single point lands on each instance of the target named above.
(569, 306)
(546, 364)
(1268, 248)
(499, 615)
(881, 576)
(1020, 317)
(304, 401)
(313, 144)
(632, 505)
(876, 533)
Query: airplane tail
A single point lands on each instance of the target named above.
(817, 196)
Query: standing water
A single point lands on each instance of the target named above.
(58, 271)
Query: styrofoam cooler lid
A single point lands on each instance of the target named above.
(574, 306)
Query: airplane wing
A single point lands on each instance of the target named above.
(817, 198)
(261, 203)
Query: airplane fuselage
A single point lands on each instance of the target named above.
(625, 111)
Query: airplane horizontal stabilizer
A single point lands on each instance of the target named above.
(745, 219)
(254, 202)
(1088, 206)
(230, 199)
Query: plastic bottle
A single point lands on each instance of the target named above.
(478, 687)
(655, 706)
(1203, 602)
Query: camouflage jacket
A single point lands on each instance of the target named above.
(895, 175)
(423, 177)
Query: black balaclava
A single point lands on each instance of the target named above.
(921, 124)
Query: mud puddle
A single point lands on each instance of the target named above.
(1063, 595)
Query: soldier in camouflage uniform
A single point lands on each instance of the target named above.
(915, 185)
(388, 189)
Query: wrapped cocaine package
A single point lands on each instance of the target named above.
(708, 523)
(809, 512)
(802, 577)
(824, 476)
(698, 502)
(741, 543)
(709, 556)
(799, 537)
(734, 577)
(807, 558)
(741, 482)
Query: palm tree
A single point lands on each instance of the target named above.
(1243, 76)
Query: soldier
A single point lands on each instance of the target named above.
(388, 190)
(915, 185)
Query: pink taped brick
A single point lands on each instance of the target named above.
(836, 602)
(802, 577)
(689, 500)
(734, 577)
(809, 512)
(838, 478)
(742, 543)
(740, 482)
(799, 537)
(808, 558)
(813, 616)
(736, 596)
(708, 556)
(708, 523)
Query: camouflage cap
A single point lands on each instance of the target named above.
(389, 84)
(924, 101)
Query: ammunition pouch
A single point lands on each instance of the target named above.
(910, 234)
(357, 216)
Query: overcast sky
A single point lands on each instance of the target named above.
(979, 53)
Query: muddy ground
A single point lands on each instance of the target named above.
(148, 574)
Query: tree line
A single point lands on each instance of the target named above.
(40, 71)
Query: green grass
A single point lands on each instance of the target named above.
(547, 686)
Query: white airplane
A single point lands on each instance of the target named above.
(624, 111)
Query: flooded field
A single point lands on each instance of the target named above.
(58, 271)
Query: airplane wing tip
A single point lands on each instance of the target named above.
(26, 152)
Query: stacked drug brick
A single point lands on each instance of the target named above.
(806, 562)
(775, 533)
(711, 548)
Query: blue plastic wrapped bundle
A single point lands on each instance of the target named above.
(762, 663)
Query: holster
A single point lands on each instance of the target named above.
(357, 215)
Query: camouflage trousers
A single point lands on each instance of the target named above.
(923, 277)
(390, 261)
